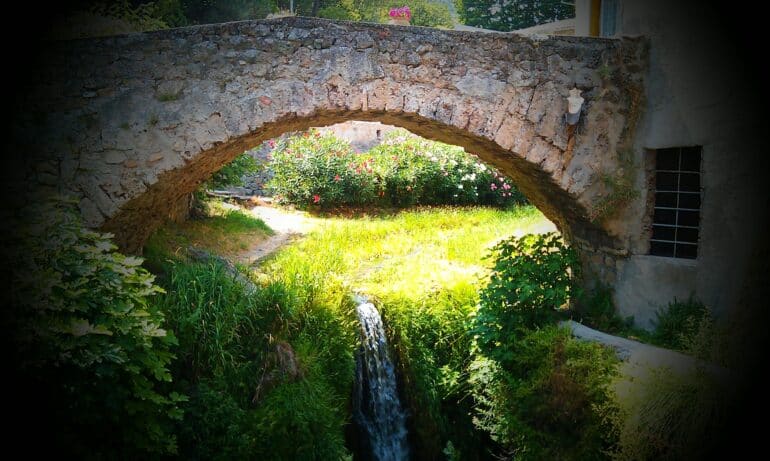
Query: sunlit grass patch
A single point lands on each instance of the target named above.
(412, 253)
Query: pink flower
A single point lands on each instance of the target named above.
(337, 177)
(271, 143)
(403, 12)
(493, 186)
(506, 186)
(316, 198)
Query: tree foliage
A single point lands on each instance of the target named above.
(513, 14)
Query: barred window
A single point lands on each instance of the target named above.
(676, 218)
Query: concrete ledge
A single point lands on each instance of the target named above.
(645, 355)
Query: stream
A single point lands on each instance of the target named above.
(377, 408)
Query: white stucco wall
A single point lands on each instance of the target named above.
(700, 91)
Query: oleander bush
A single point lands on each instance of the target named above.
(321, 170)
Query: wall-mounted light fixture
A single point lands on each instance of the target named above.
(574, 105)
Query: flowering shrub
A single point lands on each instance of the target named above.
(402, 12)
(312, 169)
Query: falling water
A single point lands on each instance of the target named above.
(377, 407)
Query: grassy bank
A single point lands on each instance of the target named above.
(222, 229)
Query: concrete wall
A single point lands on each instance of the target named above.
(700, 91)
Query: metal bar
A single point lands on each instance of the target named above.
(674, 225)
(678, 188)
(678, 209)
(675, 242)
(678, 171)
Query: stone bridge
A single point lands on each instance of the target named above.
(131, 125)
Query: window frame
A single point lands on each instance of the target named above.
(684, 245)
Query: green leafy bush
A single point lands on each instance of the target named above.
(679, 322)
(232, 173)
(425, 13)
(315, 169)
(88, 339)
(539, 393)
(597, 310)
(402, 171)
(551, 401)
(532, 278)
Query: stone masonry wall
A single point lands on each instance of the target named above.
(130, 125)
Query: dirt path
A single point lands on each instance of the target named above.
(288, 226)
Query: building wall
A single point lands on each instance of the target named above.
(362, 136)
(583, 18)
(700, 91)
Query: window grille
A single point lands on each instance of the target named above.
(676, 217)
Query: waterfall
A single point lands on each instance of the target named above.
(377, 408)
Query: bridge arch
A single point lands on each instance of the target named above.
(132, 124)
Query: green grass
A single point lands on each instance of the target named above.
(166, 97)
(408, 254)
(225, 231)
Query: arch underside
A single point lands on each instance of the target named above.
(140, 216)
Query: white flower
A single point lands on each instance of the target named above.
(459, 186)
